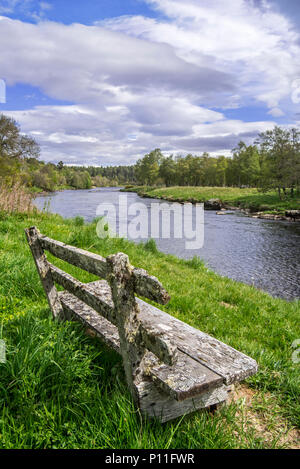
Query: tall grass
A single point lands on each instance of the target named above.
(62, 389)
(15, 198)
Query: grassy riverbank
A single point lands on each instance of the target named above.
(233, 196)
(62, 389)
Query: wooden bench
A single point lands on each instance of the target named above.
(171, 368)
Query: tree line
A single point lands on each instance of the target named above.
(271, 162)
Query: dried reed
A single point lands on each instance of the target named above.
(15, 198)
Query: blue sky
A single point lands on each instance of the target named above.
(106, 81)
(72, 11)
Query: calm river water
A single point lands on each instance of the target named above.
(264, 253)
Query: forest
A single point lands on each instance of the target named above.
(272, 162)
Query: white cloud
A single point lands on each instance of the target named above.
(137, 83)
(83, 63)
(257, 44)
(276, 112)
(80, 134)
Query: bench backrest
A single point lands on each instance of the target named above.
(145, 284)
(125, 281)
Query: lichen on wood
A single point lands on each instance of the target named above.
(121, 282)
(144, 284)
(171, 368)
(44, 271)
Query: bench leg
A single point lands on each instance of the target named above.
(156, 404)
(127, 312)
(44, 271)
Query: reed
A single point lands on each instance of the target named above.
(15, 198)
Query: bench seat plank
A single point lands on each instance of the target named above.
(186, 379)
(77, 309)
(220, 358)
(224, 360)
(226, 364)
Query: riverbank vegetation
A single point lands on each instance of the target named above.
(246, 198)
(15, 199)
(60, 388)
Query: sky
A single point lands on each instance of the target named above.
(103, 82)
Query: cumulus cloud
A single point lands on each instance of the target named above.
(248, 39)
(136, 83)
(85, 63)
(221, 136)
(81, 135)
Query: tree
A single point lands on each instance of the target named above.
(183, 171)
(222, 165)
(167, 171)
(13, 144)
(246, 164)
(209, 170)
(42, 180)
(147, 168)
(81, 180)
(280, 159)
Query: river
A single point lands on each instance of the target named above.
(263, 253)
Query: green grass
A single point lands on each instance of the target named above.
(62, 389)
(244, 198)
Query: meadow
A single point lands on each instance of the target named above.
(61, 388)
(246, 198)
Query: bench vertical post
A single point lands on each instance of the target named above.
(44, 271)
(122, 286)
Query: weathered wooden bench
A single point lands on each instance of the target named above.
(171, 368)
